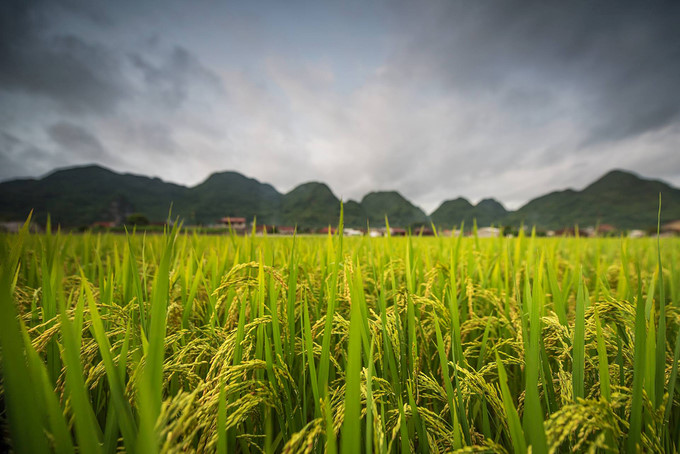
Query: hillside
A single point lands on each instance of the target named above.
(451, 213)
(399, 211)
(80, 196)
(354, 214)
(310, 205)
(230, 194)
(313, 205)
(619, 198)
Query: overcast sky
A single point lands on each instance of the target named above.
(503, 99)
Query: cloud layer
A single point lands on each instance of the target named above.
(437, 100)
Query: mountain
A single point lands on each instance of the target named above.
(489, 211)
(313, 205)
(452, 212)
(399, 211)
(230, 194)
(80, 196)
(354, 214)
(619, 198)
(310, 205)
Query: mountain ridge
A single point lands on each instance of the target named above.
(81, 195)
(620, 198)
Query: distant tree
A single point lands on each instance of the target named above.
(137, 219)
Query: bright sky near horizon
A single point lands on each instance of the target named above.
(434, 99)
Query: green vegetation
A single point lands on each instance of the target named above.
(83, 195)
(618, 198)
(400, 211)
(188, 343)
(454, 212)
(136, 219)
(80, 196)
(310, 204)
(228, 194)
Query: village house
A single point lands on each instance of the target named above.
(423, 231)
(488, 232)
(261, 229)
(600, 230)
(587, 231)
(636, 233)
(375, 233)
(236, 224)
(397, 231)
(15, 227)
(567, 231)
(671, 228)
(285, 230)
(605, 229)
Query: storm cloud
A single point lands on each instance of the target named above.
(74, 139)
(435, 99)
(79, 76)
(619, 60)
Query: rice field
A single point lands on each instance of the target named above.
(185, 343)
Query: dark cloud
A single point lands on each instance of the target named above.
(173, 77)
(80, 76)
(20, 159)
(76, 140)
(89, 9)
(620, 60)
(156, 137)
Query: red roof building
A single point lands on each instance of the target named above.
(423, 231)
(605, 228)
(265, 228)
(567, 231)
(234, 223)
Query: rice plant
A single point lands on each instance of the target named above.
(186, 343)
